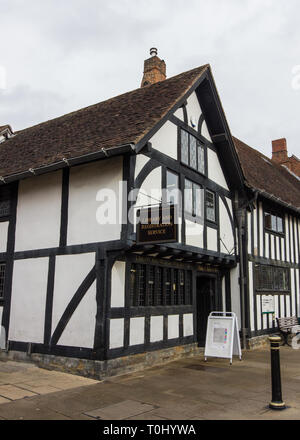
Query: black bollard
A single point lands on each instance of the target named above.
(276, 402)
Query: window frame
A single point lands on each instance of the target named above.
(277, 216)
(192, 215)
(272, 278)
(174, 284)
(209, 191)
(199, 144)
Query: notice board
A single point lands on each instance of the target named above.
(222, 336)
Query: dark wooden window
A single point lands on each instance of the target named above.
(210, 203)
(4, 208)
(2, 279)
(272, 278)
(193, 199)
(152, 285)
(274, 222)
(192, 151)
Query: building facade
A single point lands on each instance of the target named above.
(77, 287)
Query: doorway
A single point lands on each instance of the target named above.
(207, 301)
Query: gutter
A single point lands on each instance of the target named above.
(68, 162)
(274, 198)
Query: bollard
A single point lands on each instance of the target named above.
(276, 402)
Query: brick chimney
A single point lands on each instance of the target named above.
(279, 151)
(154, 69)
(280, 156)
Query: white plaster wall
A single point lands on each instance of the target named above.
(3, 236)
(297, 290)
(215, 172)
(255, 237)
(293, 292)
(85, 182)
(116, 333)
(272, 238)
(292, 240)
(188, 324)
(137, 329)
(226, 233)
(173, 326)
(28, 301)
(205, 132)
(235, 293)
(152, 187)
(278, 247)
(118, 284)
(212, 239)
(258, 311)
(165, 140)
(179, 114)
(140, 162)
(249, 232)
(287, 238)
(156, 328)
(80, 330)
(38, 212)
(193, 110)
(267, 238)
(251, 294)
(261, 230)
(70, 271)
(282, 249)
(2, 332)
(194, 234)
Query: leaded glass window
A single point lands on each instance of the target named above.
(4, 208)
(185, 147)
(273, 222)
(188, 197)
(193, 152)
(210, 206)
(272, 278)
(201, 164)
(162, 283)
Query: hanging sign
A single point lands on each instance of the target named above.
(222, 336)
(157, 224)
(267, 304)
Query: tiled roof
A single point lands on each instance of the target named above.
(117, 121)
(264, 175)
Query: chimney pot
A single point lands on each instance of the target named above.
(153, 51)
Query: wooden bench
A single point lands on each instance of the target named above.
(285, 326)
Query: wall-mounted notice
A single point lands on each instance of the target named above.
(267, 304)
(222, 336)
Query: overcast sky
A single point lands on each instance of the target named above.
(59, 56)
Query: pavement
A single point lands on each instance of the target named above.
(186, 389)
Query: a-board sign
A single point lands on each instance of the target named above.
(157, 224)
(267, 304)
(222, 336)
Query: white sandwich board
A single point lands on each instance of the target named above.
(222, 336)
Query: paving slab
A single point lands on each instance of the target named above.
(13, 393)
(121, 410)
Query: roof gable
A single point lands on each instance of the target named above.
(268, 177)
